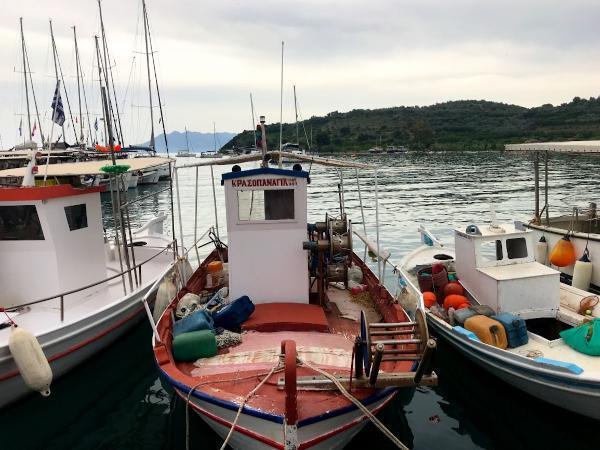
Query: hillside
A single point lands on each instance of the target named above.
(198, 142)
(456, 125)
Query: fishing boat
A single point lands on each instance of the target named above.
(508, 313)
(303, 361)
(72, 285)
(148, 177)
(580, 224)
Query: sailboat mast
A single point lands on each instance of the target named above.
(104, 113)
(25, 77)
(56, 70)
(296, 111)
(81, 136)
(187, 143)
(149, 79)
(215, 136)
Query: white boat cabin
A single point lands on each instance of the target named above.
(496, 264)
(51, 241)
(266, 226)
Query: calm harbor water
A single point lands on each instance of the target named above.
(117, 401)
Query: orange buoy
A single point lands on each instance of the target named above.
(454, 301)
(454, 288)
(429, 299)
(215, 266)
(563, 253)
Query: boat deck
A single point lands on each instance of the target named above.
(44, 319)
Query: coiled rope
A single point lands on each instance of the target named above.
(358, 404)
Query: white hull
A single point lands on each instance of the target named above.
(149, 177)
(255, 433)
(564, 390)
(579, 240)
(164, 172)
(133, 181)
(74, 343)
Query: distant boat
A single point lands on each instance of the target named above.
(186, 153)
(391, 149)
(209, 154)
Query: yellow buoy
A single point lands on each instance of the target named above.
(30, 360)
(563, 253)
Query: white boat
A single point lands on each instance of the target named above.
(582, 224)
(496, 266)
(149, 177)
(297, 344)
(64, 282)
(133, 180)
(209, 154)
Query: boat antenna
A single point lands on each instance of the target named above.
(57, 70)
(152, 144)
(263, 141)
(25, 78)
(281, 108)
(253, 118)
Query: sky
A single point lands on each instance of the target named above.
(341, 55)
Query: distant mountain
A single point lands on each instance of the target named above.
(198, 142)
(455, 125)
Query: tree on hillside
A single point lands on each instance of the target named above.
(422, 136)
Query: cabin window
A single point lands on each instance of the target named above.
(516, 248)
(20, 223)
(491, 250)
(271, 204)
(76, 216)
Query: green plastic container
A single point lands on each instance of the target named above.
(194, 345)
(585, 338)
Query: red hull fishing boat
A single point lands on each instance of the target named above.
(300, 343)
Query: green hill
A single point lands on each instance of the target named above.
(456, 125)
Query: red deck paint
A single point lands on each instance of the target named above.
(270, 317)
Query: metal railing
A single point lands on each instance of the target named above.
(62, 295)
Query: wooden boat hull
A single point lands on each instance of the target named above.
(559, 388)
(256, 430)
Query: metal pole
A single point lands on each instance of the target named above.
(152, 144)
(212, 177)
(281, 109)
(536, 174)
(546, 187)
(196, 216)
(179, 210)
(362, 211)
(253, 119)
(377, 228)
(296, 111)
(81, 137)
(117, 241)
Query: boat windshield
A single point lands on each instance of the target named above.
(271, 204)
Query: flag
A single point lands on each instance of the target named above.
(33, 131)
(58, 114)
(96, 124)
(21, 127)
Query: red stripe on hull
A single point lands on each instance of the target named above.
(79, 345)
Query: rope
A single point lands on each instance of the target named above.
(276, 368)
(358, 404)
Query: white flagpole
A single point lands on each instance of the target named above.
(57, 92)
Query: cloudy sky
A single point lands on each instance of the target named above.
(341, 55)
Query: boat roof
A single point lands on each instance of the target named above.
(263, 171)
(88, 167)
(557, 147)
(487, 230)
(300, 157)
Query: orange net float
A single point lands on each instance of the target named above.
(454, 301)
(429, 298)
(102, 148)
(454, 288)
(563, 253)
